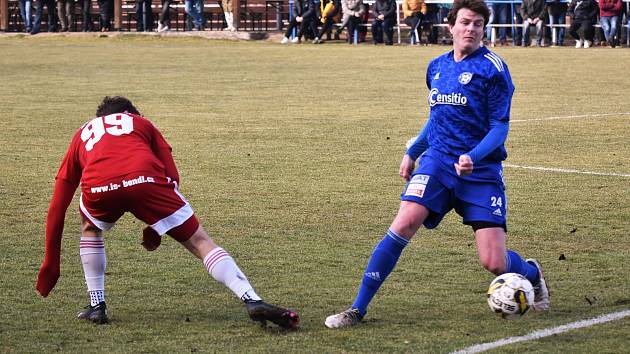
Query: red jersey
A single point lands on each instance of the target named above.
(101, 154)
(108, 148)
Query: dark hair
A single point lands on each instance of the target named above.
(115, 104)
(476, 6)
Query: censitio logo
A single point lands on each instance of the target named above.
(454, 99)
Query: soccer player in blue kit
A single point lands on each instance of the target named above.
(461, 148)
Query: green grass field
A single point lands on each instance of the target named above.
(289, 156)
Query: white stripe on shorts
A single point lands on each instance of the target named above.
(175, 219)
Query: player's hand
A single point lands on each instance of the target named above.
(465, 165)
(298, 18)
(406, 167)
(150, 239)
(47, 277)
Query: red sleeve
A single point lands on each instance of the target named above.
(71, 168)
(50, 269)
(163, 152)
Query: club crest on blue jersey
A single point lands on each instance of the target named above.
(465, 77)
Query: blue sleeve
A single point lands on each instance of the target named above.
(420, 144)
(430, 73)
(495, 138)
(500, 92)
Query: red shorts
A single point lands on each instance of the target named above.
(154, 200)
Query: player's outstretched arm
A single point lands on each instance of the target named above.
(49, 272)
(495, 138)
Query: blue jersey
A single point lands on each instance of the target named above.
(467, 99)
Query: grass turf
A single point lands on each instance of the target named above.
(289, 156)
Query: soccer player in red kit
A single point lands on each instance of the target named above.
(123, 164)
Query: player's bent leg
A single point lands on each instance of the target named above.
(92, 251)
(491, 249)
(222, 267)
(494, 256)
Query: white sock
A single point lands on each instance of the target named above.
(232, 20)
(92, 251)
(224, 270)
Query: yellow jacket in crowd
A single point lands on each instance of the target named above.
(330, 8)
(411, 7)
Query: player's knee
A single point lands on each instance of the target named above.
(405, 226)
(199, 244)
(409, 219)
(89, 230)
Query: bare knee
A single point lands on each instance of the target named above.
(409, 219)
(199, 244)
(89, 230)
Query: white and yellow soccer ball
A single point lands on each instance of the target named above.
(510, 295)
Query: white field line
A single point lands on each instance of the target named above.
(564, 170)
(570, 117)
(545, 332)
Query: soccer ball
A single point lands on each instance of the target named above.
(510, 295)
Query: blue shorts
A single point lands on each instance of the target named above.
(479, 197)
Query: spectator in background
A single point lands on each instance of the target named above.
(194, 9)
(413, 12)
(609, 14)
(26, 13)
(557, 12)
(353, 12)
(533, 13)
(306, 14)
(106, 12)
(517, 24)
(583, 14)
(164, 21)
(330, 9)
(39, 12)
(86, 10)
(144, 16)
(431, 18)
(500, 17)
(65, 9)
(384, 12)
(229, 15)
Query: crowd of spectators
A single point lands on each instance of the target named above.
(582, 19)
(61, 15)
(588, 22)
